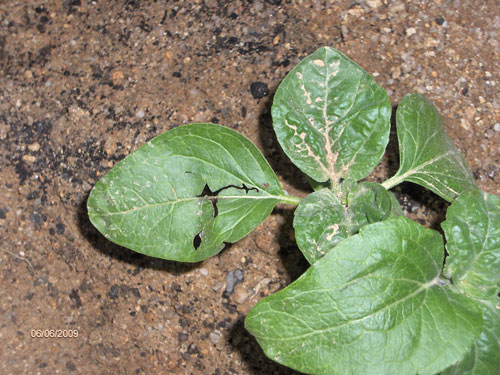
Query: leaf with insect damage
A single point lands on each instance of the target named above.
(331, 118)
(322, 219)
(158, 200)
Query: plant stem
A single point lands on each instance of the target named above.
(290, 199)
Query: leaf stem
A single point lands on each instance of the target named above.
(290, 199)
(393, 181)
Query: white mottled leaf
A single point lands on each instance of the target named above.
(331, 118)
(321, 220)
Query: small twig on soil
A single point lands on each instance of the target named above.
(21, 258)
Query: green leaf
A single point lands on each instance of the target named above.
(374, 304)
(483, 358)
(427, 155)
(331, 118)
(152, 201)
(321, 220)
(319, 223)
(370, 203)
(472, 230)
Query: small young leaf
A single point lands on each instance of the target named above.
(331, 118)
(370, 202)
(317, 224)
(374, 304)
(483, 357)
(472, 230)
(321, 220)
(152, 201)
(427, 155)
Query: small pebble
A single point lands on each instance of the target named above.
(182, 336)
(140, 113)
(232, 279)
(396, 7)
(240, 294)
(396, 73)
(114, 292)
(373, 3)
(230, 282)
(118, 75)
(440, 21)
(29, 158)
(470, 112)
(385, 39)
(34, 147)
(410, 31)
(215, 337)
(496, 127)
(239, 275)
(169, 314)
(259, 90)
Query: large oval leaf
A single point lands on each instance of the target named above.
(483, 358)
(331, 118)
(374, 304)
(152, 201)
(427, 155)
(472, 230)
(321, 220)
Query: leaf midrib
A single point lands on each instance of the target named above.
(423, 287)
(189, 199)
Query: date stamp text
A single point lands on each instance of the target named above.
(53, 333)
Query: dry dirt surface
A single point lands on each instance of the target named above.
(84, 83)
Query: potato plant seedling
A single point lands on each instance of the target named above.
(376, 298)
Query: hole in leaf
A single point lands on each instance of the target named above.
(214, 204)
(242, 187)
(212, 195)
(197, 241)
(209, 193)
(206, 192)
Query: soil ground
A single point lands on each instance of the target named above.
(84, 83)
